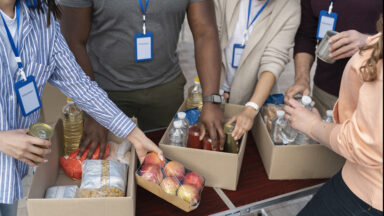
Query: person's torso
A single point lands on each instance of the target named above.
(111, 44)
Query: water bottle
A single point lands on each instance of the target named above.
(73, 126)
(328, 117)
(177, 134)
(301, 138)
(185, 125)
(195, 95)
(277, 125)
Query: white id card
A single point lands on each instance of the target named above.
(144, 46)
(238, 50)
(27, 96)
(327, 22)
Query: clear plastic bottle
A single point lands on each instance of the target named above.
(301, 138)
(328, 117)
(195, 95)
(185, 125)
(73, 126)
(277, 125)
(177, 135)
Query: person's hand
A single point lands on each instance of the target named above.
(212, 119)
(19, 145)
(94, 134)
(300, 118)
(345, 44)
(299, 87)
(244, 122)
(143, 144)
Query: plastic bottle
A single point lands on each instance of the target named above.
(73, 126)
(195, 95)
(277, 125)
(185, 125)
(328, 117)
(301, 138)
(177, 134)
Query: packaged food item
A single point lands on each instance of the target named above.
(41, 130)
(169, 180)
(72, 166)
(73, 126)
(231, 145)
(194, 138)
(61, 192)
(192, 115)
(120, 152)
(209, 145)
(103, 178)
(178, 135)
(195, 95)
(277, 125)
(269, 113)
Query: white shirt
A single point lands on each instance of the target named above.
(238, 37)
(12, 25)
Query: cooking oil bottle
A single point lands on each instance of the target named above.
(195, 95)
(73, 126)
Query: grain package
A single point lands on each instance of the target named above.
(61, 192)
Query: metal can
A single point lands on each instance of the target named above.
(231, 145)
(41, 130)
(322, 50)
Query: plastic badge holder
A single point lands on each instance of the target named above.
(103, 178)
(61, 192)
(172, 182)
(192, 115)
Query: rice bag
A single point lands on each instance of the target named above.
(61, 192)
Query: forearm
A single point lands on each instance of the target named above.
(303, 64)
(321, 132)
(263, 88)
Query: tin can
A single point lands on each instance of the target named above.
(231, 145)
(322, 50)
(41, 130)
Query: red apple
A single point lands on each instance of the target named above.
(188, 193)
(153, 158)
(170, 185)
(151, 173)
(174, 168)
(194, 179)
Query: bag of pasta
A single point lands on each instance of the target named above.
(103, 178)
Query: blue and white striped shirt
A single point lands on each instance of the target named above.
(46, 56)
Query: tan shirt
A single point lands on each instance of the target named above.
(359, 135)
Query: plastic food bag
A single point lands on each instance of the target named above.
(61, 192)
(103, 178)
(72, 166)
(269, 113)
(192, 115)
(120, 152)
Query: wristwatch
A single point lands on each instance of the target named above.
(253, 105)
(215, 99)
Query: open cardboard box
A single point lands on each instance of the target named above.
(309, 161)
(49, 174)
(220, 169)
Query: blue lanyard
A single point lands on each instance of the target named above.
(144, 11)
(15, 48)
(257, 15)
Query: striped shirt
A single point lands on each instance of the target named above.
(46, 56)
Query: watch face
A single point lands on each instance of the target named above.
(216, 99)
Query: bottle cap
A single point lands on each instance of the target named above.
(197, 80)
(306, 100)
(177, 124)
(329, 113)
(69, 100)
(280, 113)
(181, 115)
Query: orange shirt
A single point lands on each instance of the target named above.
(359, 134)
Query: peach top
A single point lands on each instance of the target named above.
(358, 137)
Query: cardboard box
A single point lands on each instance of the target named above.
(220, 169)
(310, 161)
(50, 174)
(52, 103)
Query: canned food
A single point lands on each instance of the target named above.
(231, 145)
(194, 138)
(41, 130)
(207, 144)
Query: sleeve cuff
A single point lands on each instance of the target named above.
(122, 126)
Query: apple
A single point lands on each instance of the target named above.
(154, 159)
(194, 179)
(151, 173)
(170, 185)
(174, 168)
(188, 193)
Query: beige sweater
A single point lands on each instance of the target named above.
(268, 46)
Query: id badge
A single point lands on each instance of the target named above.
(143, 46)
(238, 50)
(27, 95)
(326, 23)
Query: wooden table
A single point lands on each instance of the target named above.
(253, 186)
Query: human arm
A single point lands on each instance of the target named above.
(201, 17)
(19, 145)
(345, 44)
(72, 81)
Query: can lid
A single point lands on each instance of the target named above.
(229, 127)
(306, 100)
(280, 113)
(181, 115)
(177, 124)
(329, 113)
(41, 130)
(197, 80)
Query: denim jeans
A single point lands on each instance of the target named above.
(8, 210)
(335, 198)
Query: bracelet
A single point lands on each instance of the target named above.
(253, 105)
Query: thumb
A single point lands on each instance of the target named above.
(23, 131)
(307, 92)
(159, 152)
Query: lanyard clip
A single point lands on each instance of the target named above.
(21, 73)
(330, 8)
(144, 25)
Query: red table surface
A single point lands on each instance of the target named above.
(253, 186)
